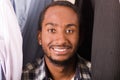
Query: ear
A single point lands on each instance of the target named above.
(39, 38)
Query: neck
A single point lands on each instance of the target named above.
(62, 72)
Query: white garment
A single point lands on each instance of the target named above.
(0, 72)
(72, 1)
(10, 42)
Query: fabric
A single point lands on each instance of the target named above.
(21, 11)
(72, 1)
(106, 40)
(0, 71)
(27, 12)
(31, 49)
(38, 71)
(10, 42)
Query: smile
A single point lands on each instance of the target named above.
(60, 50)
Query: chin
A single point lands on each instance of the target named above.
(61, 61)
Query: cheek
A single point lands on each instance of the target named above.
(45, 43)
(74, 39)
(46, 39)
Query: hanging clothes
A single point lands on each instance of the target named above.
(31, 49)
(10, 42)
(21, 8)
(0, 71)
(28, 12)
(72, 1)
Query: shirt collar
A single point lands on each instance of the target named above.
(44, 73)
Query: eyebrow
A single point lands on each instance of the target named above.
(50, 24)
(68, 25)
(71, 25)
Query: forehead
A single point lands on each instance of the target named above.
(60, 13)
(60, 10)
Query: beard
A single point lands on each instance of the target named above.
(62, 63)
(65, 62)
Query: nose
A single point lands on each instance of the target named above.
(61, 38)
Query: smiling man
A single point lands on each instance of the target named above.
(59, 36)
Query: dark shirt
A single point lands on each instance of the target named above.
(39, 71)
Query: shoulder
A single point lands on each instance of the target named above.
(85, 68)
(31, 70)
(84, 63)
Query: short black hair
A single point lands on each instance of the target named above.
(58, 3)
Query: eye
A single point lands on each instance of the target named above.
(51, 30)
(69, 31)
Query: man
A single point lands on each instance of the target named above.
(58, 35)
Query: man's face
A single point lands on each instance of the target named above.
(60, 33)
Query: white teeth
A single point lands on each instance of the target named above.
(59, 50)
